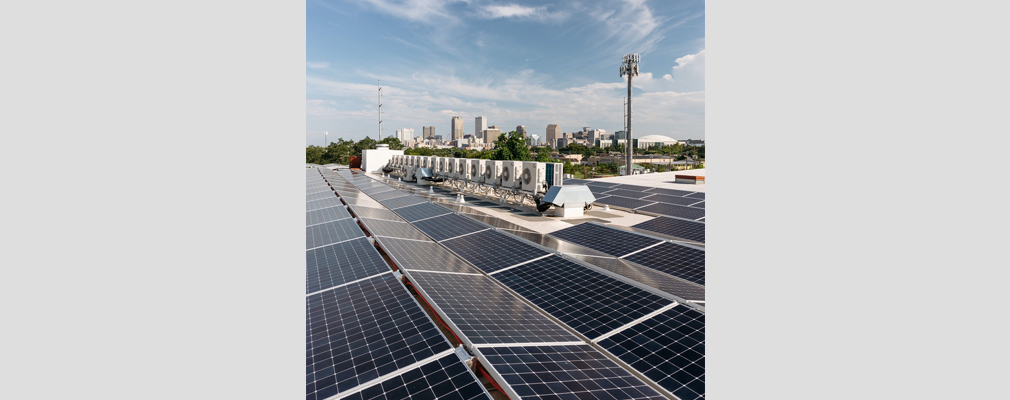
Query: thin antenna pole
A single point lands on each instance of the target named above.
(379, 83)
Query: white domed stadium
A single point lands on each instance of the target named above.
(652, 140)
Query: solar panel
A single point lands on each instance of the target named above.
(697, 195)
(427, 256)
(449, 226)
(484, 312)
(326, 215)
(669, 192)
(553, 243)
(389, 195)
(668, 348)
(445, 378)
(680, 261)
(625, 202)
(403, 201)
(491, 251)
(331, 232)
(324, 203)
(362, 201)
(375, 189)
(564, 372)
(615, 242)
(602, 184)
(320, 196)
(690, 230)
(495, 221)
(647, 276)
(588, 301)
(350, 193)
(361, 331)
(420, 211)
(674, 210)
(375, 213)
(397, 229)
(620, 191)
(699, 205)
(662, 198)
(635, 188)
(338, 264)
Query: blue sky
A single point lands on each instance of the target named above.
(516, 63)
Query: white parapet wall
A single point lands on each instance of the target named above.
(372, 160)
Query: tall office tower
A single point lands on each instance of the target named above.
(553, 134)
(456, 132)
(408, 134)
(521, 129)
(399, 135)
(534, 140)
(429, 132)
(479, 125)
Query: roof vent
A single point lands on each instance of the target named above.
(382, 146)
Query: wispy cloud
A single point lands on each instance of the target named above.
(317, 65)
(516, 11)
(431, 12)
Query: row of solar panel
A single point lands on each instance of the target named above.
(669, 202)
(590, 302)
(366, 338)
(484, 313)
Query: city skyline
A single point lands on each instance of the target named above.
(515, 64)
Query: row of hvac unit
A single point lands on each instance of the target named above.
(527, 176)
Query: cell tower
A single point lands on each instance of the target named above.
(379, 82)
(629, 67)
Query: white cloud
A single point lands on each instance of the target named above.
(517, 11)
(317, 65)
(689, 73)
(433, 12)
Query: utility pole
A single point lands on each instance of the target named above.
(326, 138)
(629, 67)
(379, 83)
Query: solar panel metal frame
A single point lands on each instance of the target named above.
(375, 213)
(631, 194)
(673, 210)
(586, 300)
(420, 383)
(491, 251)
(643, 276)
(447, 293)
(513, 365)
(323, 215)
(420, 211)
(696, 195)
(669, 192)
(331, 266)
(328, 233)
(671, 340)
(432, 341)
(392, 194)
(663, 198)
(698, 205)
(319, 196)
(423, 256)
(362, 201)
(612, 241)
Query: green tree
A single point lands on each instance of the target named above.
(512, 147)
(339, 152)
(314, 155)
(393, 142)
(544, 155)
(364, 144)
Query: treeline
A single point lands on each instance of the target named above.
(511, 146)
(678, 151)
(341, 151)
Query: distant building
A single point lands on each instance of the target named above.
(653, 140)
(521, 129)
(491, 134)
(534, 140)
(693, 142)
(405, 134)
(429, 132)
(479, 125)
(553, 134)
(456, 130)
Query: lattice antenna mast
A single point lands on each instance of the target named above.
(629, 67)
(379, 84)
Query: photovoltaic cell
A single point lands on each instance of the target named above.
(615, 242)
(338, 264)
(324, 203)
(403, 201)
(625, 202)
(484, 312)
(698, 195)
(690, 230)
(375, 213)
(565, 372)
(397, 229)
(662, 198)
(449, 226)
(588, 301)
(362, 201)
(446, 378)
(331, 232)
(361, 331)
(674, 210)
(491, 251)
(326, 215)
(668, 348)
(680, 261)
(427, 256)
